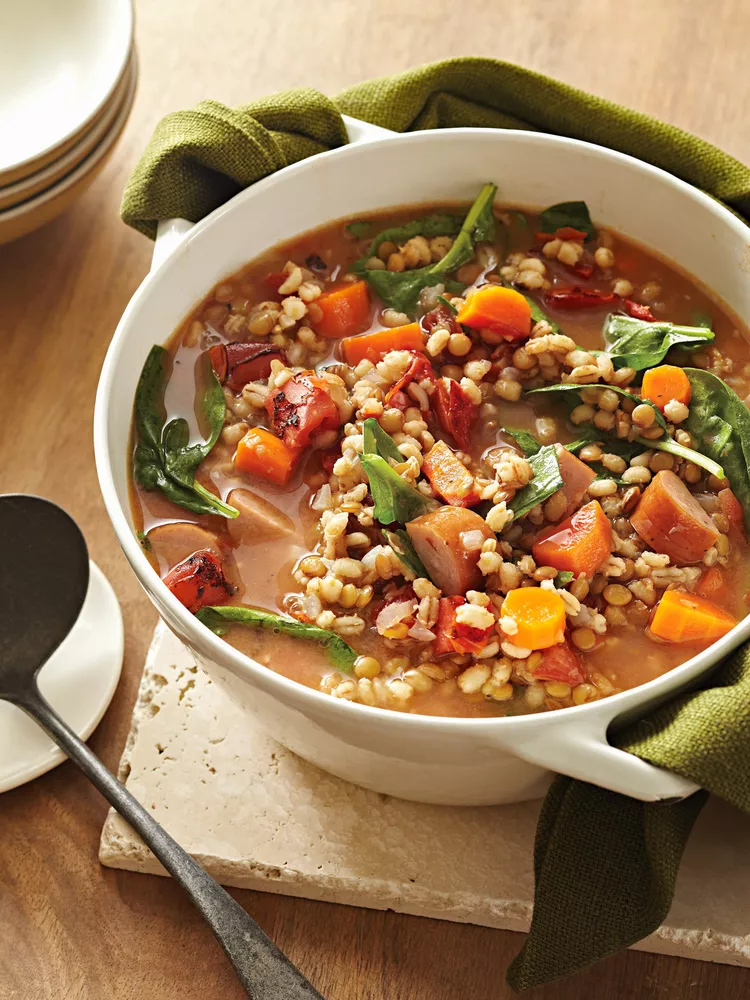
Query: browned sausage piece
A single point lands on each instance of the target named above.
(439, 538)
(259, 519)
(671, 521)
(171, 543)
(577, 477)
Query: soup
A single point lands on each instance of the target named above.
(452, 460)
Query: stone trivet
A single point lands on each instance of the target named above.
(258, 817)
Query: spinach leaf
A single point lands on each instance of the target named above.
(703, 319)
(563, 577)
(437, 224)
(525, 441)
(164, 458)
(401, 544)
(401, 289)
(547, 480)
(570, 388)
(379, 442)
(668, 444)
(537, 313)
(395, 500)
(359, 229)
(220, 617)
(567, 213)
(588, 434)
(635, 343)
(720, 423)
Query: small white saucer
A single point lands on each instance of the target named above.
(78, 681)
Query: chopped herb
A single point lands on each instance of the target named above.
(219, 618)
(143, 539)
(547, 480)
(563, 578)
(360, 229)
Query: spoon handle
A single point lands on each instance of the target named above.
(264, 971)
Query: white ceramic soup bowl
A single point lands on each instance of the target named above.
(438, 760)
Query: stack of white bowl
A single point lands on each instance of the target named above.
(67, 81)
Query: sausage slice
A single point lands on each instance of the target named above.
(577, 477)
(172, 543)
(671, 521)
(259, 520)
(439, 540)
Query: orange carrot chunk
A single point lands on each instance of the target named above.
(373, 346)
(539, 615)
(671, 521)
(681, 617)
(579, 544)
(502, 310)
(449, 477)
(665, 383)
(346, 311)
(261, 453)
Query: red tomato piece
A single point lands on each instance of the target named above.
(419, 369)
(300, 408)
(452, 636)
(455, 411)
(578, 298)
(275, 280)
(441, 316)
(560, 663)
(238, 363)
(637, 311)
(199, 581)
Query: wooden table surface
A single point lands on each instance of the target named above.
(72, 930)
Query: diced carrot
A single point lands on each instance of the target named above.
(670, 520)
(731, 508)
(681, 617)
(665, 383)
(372, 346)
(261, 453)
(502, 310)
(346, 311)
(449, 477)
(579, 544)
(560, 663)
(713, 583)
(539, 615)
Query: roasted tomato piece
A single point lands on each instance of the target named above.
(199, 581)
(441, 316)
(455, 411)
(237, 364)
(452, 636)
(301, 407)
(418, 371)
(637, 311)
(578, 298)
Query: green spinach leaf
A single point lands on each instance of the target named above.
(401, 289)
(720, 423)
(448, 305)
(395, 500)
(401, 544)
(525, 440)
(220, 617)
(570, 389)
(563, 578)
(635, 343)
(669, 445)
(164, 459)
(376, 441)
(360, 228)
(547, 480)
(567, 213)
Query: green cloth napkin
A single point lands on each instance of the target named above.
(605, 864)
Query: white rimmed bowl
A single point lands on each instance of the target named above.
(438, 760)
(37, 211)
(60, 63)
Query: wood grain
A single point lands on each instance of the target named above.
(69, 928)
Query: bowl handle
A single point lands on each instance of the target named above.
(171, 232)
(584, 753)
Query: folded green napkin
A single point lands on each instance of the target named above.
(605, 864)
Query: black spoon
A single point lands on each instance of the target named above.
(42, 590)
